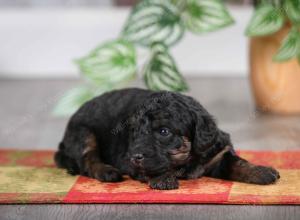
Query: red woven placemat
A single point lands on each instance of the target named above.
(31, 177)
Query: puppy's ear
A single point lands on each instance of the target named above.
(205, 132)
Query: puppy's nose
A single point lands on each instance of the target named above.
(137, 159)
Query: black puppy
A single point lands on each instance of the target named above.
(155, 137)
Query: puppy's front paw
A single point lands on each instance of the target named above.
(107, 173)
(263, 175)
(164, 183)
(243, 171)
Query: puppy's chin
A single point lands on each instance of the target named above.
(151, 170)
(180, 158)
(156, 172)
(181, 155)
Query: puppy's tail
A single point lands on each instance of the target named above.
(63, 161)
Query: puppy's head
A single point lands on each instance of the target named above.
(168, 131)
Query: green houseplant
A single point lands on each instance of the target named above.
(155, 26)
(275, 55)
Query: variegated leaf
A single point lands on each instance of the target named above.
(161, 73)
(292, 8)
(111, 63)
(72, 100)
(290, 47)
(152, 21)
(267, 19)
(201, 16)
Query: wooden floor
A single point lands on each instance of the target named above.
(26, 123)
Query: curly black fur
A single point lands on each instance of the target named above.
(154, 137)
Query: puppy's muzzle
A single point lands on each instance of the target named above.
(137, 160)
(181, 155)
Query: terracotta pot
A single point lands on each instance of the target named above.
(276, 86)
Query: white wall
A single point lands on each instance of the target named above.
(43, 42)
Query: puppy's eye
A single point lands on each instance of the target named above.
(164, 132)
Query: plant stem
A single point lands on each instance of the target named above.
(180, 5)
